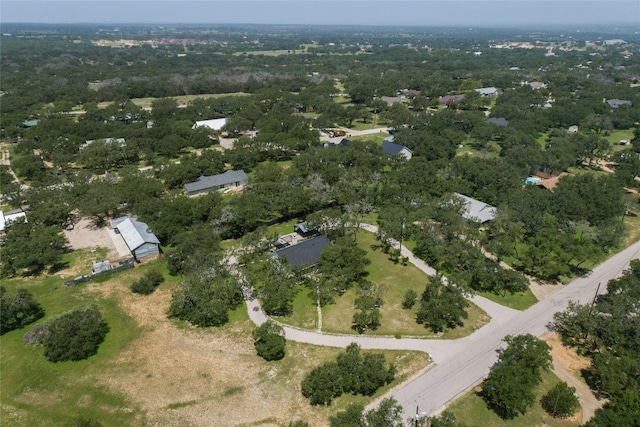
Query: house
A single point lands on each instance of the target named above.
(29, 123)
(7, 217)
(391, 148)
(142, 243)
(488, 91)
(536, 85)
(475, 210)
(305, 253)
(214, 124)
(390, 100)
(305, 229)
(229, 180)
(615, 103)
(120, 141)
(498, 121)
(444, 100)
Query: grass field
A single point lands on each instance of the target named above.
(154, 371)
(181, 100)
(397, 279)
(473, 412)
(518, 301)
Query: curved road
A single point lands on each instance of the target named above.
(461, 364)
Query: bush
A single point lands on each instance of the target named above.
(409, 300)
(17, 311)
(74, 335)
(269, 341)
(147, 283)
(561, 401)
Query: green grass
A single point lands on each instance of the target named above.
(52, 394)
(518, 301)
(616, 135)
(180, 99)
(397, 279)
(471, 410)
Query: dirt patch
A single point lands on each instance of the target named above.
(186, 376)
(567, 365)
(541, 290)
(86, 235)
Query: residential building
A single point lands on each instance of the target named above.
(615, 103)
(306, 253)
(488, 91)
(229, 180)
(391, 148)
(475, 210)
(214, 124)
(444, 100)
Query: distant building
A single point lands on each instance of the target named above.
(573, 129)
(488, 91)
(475, 210)
(391, 148)
(444, 100)
(8, 217)
(229, 180)
(306, 253)
(29, 123)
(498, 121)
(142, 243)
(214, 124)
(615, 103)
(120, 141)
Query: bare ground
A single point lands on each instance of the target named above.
(86, 235)
(195, 377)
(567, 365)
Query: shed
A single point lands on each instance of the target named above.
(305, 253)
(142, 243)
(101, 266)
(305, 229)
(7, 217)
(227, 180)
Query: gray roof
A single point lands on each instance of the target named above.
(392, 148)
(499, 121)
(306, 252)
(487, 91)
(615, 103)
(206, 182)
(475, 210)
(136, 233)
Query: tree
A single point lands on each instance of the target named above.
(17, 311)
(269, 341)
(147, 283)
(74, 335)
(446, 419)
(442, 306)
(561, 401)
(30, 247)
(509, 388)
(344, 261)
(387, 414)
(274, 281)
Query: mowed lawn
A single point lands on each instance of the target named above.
(397, 279)
(471, 410)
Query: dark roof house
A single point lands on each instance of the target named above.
(391, 148)
(223, 181)
(444, 100)
(305, 253)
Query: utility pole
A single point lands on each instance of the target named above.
(593, 302)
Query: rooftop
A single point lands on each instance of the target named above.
(306, 252)
(206, 182)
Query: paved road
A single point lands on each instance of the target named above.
(449, 379)
(463, 363)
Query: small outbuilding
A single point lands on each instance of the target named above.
(141, 241)
(10, 216)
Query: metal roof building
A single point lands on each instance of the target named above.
(475, 210)
(215, 124)
(139, 239)
(228, 179)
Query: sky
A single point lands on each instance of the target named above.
(477, 13)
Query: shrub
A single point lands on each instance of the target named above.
(74, 335)
(147, 283)
(269, 341)
(561, 401)
(409, 300)
(17, 311)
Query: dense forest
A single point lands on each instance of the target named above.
(99, 123)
